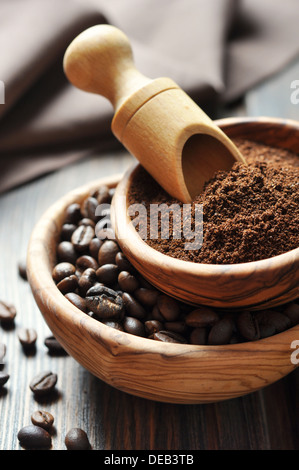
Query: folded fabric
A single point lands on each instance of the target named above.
(215, 50)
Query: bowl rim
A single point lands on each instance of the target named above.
(39, 270)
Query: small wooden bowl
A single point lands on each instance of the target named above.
(254, 285)
(174, 373)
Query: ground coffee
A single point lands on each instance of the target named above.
(249, 213)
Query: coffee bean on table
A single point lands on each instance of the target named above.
(82, 237)
(34, 437)
(43, 383)
(104, 302)
(127, 281)
(22, 268)
(44, 419)
(7, 313)
(53, 345)
(3, 378)
(27, 337)
(77, 439)
(107, 252)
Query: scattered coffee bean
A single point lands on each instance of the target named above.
(22, 268)
(44, 419)
(77, 439)
(27, 337)
(3, 378)
(43, 383)
(53, 345)
(34, 437)
(7, 313)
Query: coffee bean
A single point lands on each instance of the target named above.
(87, 280)
(22, 268)
(156, 315)
(127, 281)
(134, 326)
(34, 437)
(94, 247)
(7, 313)
(27, 337)
(113, 324)
(292, 312)
(82, 237)
(86, 261)
(86, 221)
(169, 337)
(77, 300)
(133, 308)
(248, 326)
(278, 320)
(66, 252)
(178, 326)
(202, 317)
(62, 270)
(53, 345)
(108, 274)
(123, 263)
(107, 252)
(104, 302)
(3, 378)
(169, 307)
(68, 284)
(88, 208)
(73, 213)
(43, 383)
(221, 332)
(44, 419)
(152, 326)
(199, 336)
(266, 327)
(67, 231)
(147, 297)
(77, 439)
(103, 195)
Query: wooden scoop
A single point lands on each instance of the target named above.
(158, 123)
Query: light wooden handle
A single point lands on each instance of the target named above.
(100, 60)
(153, 119)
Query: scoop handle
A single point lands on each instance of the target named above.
(100, 60)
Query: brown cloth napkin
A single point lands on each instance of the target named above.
(214, 49)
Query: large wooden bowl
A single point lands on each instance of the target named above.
(254, 285)
(174, 373)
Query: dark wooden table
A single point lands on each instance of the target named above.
(264, 420)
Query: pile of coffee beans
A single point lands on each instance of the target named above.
(94, 274)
